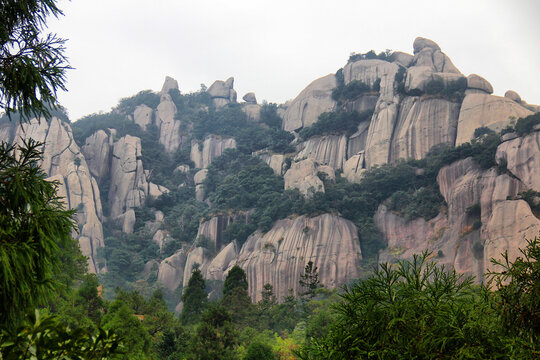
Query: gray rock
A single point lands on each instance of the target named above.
(250, 98)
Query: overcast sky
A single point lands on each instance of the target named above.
(276, 48)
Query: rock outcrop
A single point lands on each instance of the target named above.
(198, 179)
(197, 257)
(171, 270)
(142, 116)
(212, 147)
(217, 268)
(279, 256)
(328, 150)
(97, 151)
(169, 128)
(303, 176)
(64, 162)
(169, 84)
(222, 92)
(477, 82)
(421, 125)
(354, 167)
(315, 99)
(491, 111)
(129, 181)
(275, 161)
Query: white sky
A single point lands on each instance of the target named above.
(276, 48)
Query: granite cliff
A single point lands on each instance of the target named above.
(167, 181)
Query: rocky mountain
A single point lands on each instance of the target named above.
(337, 176)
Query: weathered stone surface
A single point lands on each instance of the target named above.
(275, 161)
(253, 112)
(362, 104)
(354, 168)
(250, 98)
(421, 43)
(213, 229)
(357, 141)
(328, 150)
(169, 128)
(171, 270)
(198, 179)
(477, 82)
(303, 176)
(198, 256)
(327, 171)
(522, 156)
(159, 238)
(378, 142)
(479, 110)
(369, 71)
(97, 152)
(169, 84)
(217, 269)
(418, 77)
(222, 92)
(63, 161)
(512, 95)
(508, 227)
(279, 256)
(315, 99)
(128, 181)
(183, 169)
(509, 136)
(129, 186)
(421, 125)
(212, 147)
(142, 116)
(401, 58)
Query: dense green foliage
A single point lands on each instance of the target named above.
(32, 65)
(35, 229)
(194, 298)
(453, 90)
(416, 310)
(340, 122)
(525, 125)
(371, 55)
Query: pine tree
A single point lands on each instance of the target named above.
(194, 298)
(309, 281)
(235, 294)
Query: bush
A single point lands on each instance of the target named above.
(340, 122)
(525, 125)
(147, 97)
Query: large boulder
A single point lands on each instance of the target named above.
(314, 100)
(217, 268)
(222, 92)
(354, 167)
(522, 157)
(371, 71)
(479, 83)
(491, 111)
(275, 161)
(142, 116)
(303, 176)
(279, 256)
(171, 270)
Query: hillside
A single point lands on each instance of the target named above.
(391, 155)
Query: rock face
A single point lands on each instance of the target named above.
(198, 256)
(464, 240)
(422, 124)
(129, 181)
(142, 116)
(250, 98)
(169, 84)
(522, 156)
(222, 92)
(171, 270)
(169, 128)
(213, 229)
(303, 176)
(64, 162)
(354, 167)
(315, 99)
(494, 112)
(252, 111)
(479, 83)
(275, 161)
(217, 269)
(97, 152)
(279, 256)
(328, 150)
(198, 179)
(212, 147)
